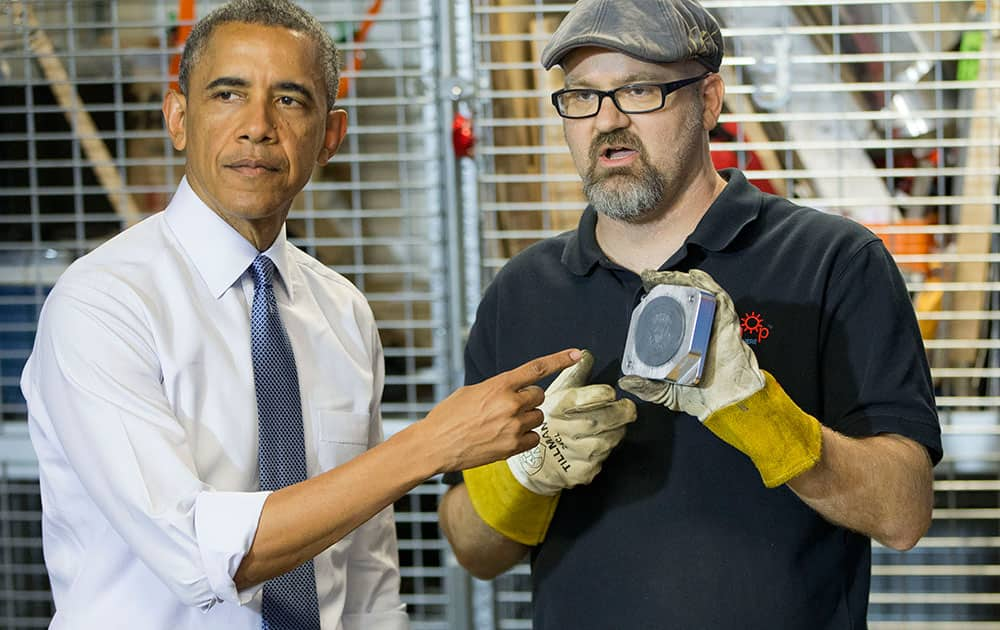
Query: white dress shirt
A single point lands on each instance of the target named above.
(143, 415)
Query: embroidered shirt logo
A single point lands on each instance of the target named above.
(753, 328)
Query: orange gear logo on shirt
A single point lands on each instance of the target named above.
(753, 328)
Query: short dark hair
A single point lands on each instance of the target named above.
(266, 13)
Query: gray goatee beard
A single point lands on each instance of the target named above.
(632, 200)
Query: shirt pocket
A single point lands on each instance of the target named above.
(343, 435)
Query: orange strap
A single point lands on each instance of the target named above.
(360, 35)
(185, 16)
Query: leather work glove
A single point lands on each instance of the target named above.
(740, 403)
(583, 423)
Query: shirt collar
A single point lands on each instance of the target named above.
(219, 253)
(736, 206)
(582, 252)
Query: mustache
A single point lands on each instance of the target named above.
(618, 137)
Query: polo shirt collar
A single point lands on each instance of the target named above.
(217, 251)
(736, 206)
(582, 252)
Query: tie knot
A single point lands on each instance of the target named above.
(263, 270)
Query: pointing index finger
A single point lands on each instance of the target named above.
(537, 369)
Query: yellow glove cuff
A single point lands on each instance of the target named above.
(782, 440)
(507, 506)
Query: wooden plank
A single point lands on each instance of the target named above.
(984, 157)
(514, 52)
(754, 131)
(79, 119)
(552, 136)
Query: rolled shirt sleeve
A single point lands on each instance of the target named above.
(225, 525)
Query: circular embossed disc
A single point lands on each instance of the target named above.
(659, 331)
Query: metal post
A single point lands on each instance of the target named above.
(452, 88)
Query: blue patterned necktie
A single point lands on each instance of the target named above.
(290, 601)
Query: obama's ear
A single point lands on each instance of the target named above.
(175, 117)
(336, 128)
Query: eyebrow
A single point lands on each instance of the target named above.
(626, 80)
(284, 86)
(227, 82)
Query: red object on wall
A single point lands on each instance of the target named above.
(462, 137)
(723, 158)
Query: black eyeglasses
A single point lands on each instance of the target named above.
(636, 98)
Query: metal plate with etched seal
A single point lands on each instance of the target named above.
(669, 333)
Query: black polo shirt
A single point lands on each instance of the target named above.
(678, 531)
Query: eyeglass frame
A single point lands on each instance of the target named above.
(665, 90)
